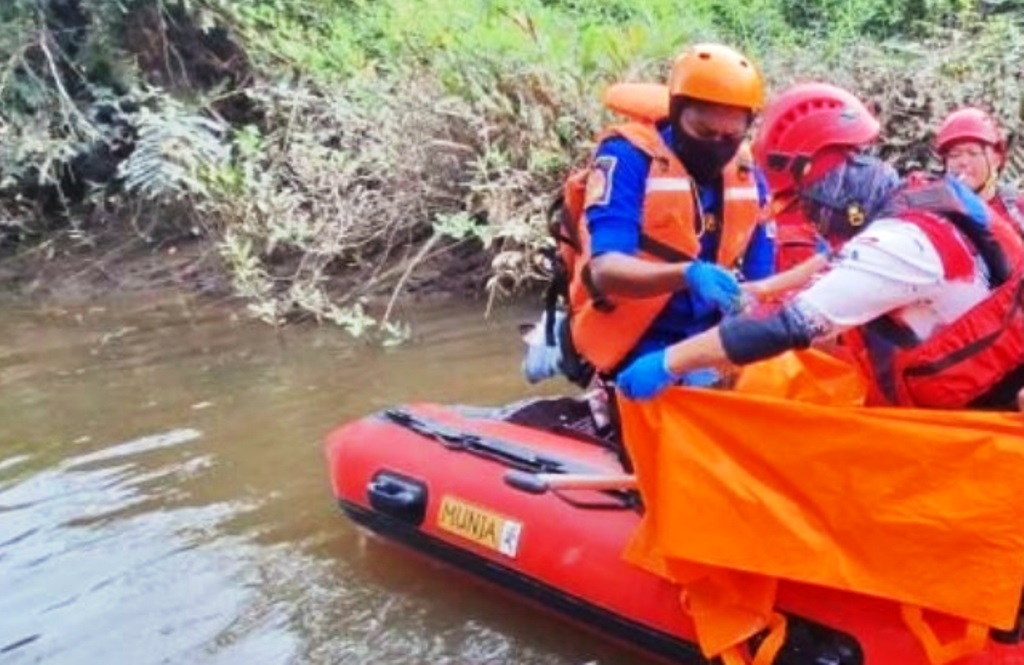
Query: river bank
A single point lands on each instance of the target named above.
(65, 271)
(324, 160)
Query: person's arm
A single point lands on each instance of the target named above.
(862, 287)
(614, 210)
(702, 350)
(736, 341)
(709, 284)
(744, 339)
(623, 275)
(795, 278)
(856, 291)
(845, 297)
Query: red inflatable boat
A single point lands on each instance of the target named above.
(466, 486)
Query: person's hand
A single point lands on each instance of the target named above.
(713, 285)
(645, 377)
(756, 291)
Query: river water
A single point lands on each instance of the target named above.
(164, 498)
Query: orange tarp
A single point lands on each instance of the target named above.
(742, 489)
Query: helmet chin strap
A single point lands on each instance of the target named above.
(855, 221)
(988, 188)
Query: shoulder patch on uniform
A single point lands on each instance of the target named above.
(599, 181)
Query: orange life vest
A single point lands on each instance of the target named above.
(978, 357)
(647, 102)
(605, 329)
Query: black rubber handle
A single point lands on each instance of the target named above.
(398, 496)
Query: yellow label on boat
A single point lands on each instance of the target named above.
(479, 525)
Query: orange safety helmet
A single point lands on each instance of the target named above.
(802, 123)
(969, 124)
(718, 74)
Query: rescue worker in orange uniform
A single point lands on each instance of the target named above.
(972, 148)
(672, 212)
(922, 290)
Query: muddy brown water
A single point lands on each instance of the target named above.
(164, 498)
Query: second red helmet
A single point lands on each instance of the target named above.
(802, 122)
(969, 124)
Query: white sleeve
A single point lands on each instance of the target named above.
(888, 266)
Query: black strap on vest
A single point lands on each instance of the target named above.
(662, 251)
(563, 230)
(974, 347)
(601, 302)
(557, 286)
(562, 226)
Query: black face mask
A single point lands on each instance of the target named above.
(704, 159)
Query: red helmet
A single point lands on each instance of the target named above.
(803, 121)
(969, 124)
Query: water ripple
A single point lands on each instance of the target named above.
(137, 446)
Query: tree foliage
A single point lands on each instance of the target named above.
(315, 138)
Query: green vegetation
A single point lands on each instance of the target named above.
(331, 149)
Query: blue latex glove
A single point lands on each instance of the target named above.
(701, 378)
(714, 286)
(645, 377)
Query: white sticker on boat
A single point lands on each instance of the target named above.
(479, 525)
(509, 543)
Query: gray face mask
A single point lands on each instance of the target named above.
(849, 196)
